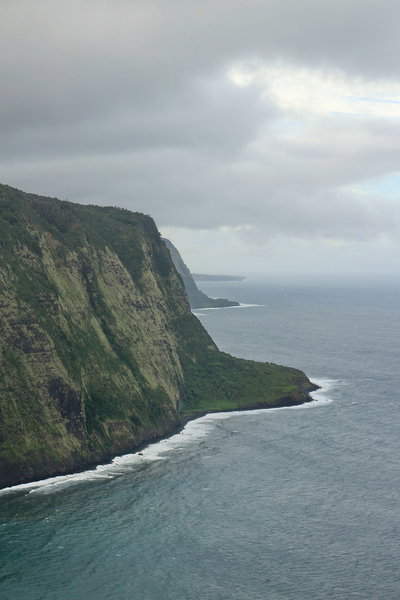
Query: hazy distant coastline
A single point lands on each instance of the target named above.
(205, 277)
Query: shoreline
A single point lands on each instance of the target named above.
(284, 402)
(183, 420)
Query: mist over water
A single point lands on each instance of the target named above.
(297, 503)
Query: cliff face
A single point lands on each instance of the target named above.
(197, 298)
(99, 350)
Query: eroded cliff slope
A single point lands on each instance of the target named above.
(99, 350)
(197, 298)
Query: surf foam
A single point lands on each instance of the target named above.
(193, 431)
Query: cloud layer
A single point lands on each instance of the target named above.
(264, 119)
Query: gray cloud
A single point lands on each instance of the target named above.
(213, 114)
(129, 103)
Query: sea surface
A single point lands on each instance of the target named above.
(286, 504)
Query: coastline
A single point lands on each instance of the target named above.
(136, 450)
(284, 402)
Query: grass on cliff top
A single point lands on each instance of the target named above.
(219, 381)
(216, 380)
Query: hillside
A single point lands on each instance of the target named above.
(197, 298)
(99, 350)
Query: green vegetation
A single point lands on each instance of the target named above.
(218, 381)
(99, 350)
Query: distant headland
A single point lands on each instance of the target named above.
(197, 298)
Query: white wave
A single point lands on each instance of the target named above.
(124, 463)
(326, 383)
(193, 430)
(53, 482)
(322, 396)
(224, 308)
(120, 465)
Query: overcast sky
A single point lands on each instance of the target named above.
(261, 135)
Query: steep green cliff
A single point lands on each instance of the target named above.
(197, 298)
(99, 350)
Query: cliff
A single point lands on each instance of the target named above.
(99, 350)
(197, 298)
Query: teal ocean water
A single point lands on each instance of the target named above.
(287, 504)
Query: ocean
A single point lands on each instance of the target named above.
(286, 504)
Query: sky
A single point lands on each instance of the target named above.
(263, 136)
